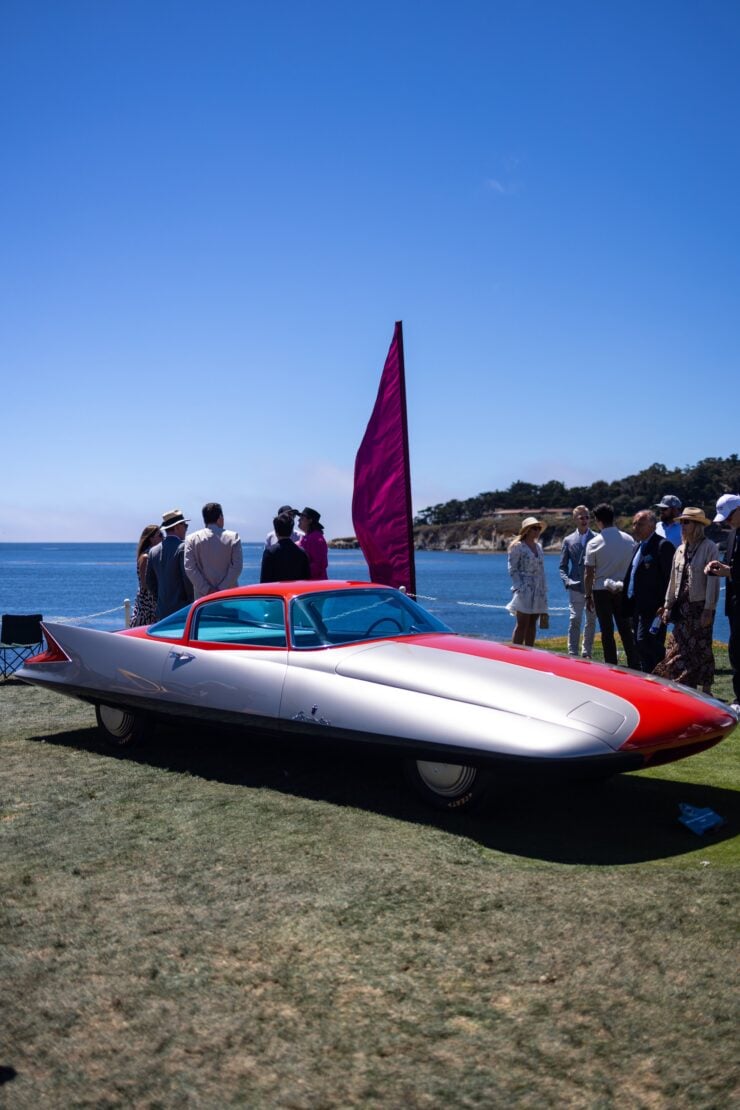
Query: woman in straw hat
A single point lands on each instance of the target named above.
(690, 602)
(527, 570)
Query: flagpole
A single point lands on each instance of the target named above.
(406, 454)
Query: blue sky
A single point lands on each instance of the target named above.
(214, 213)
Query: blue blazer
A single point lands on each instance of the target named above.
(165, 576)
(571, 559)
(651, 576)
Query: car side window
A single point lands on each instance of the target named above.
(172, 627)
(246, 621)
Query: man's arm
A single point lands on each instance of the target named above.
(187, 585)
(236, 562)
(564, 564)
(588, 586)
(305, 565)
(266, 574)
(237, 559)
(194, 577)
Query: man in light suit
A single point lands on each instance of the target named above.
(645, 585)
(571, 572)
(213, 556)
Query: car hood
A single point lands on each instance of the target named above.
(427, 665)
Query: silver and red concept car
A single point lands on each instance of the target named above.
(353, 661)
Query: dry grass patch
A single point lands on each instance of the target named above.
(223, 921)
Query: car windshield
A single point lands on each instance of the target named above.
(351, 616)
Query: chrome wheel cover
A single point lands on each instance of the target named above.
(446, 779)
(116, 721)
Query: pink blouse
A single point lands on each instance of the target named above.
(314, 544)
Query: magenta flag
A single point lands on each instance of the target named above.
(381, 503)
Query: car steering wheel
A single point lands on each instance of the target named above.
(383, 620)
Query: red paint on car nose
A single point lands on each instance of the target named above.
(671, 716)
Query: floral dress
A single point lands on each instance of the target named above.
(527, 571)
(689, 658)
(145, 607)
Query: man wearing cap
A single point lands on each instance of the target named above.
(668, 526)
(213, 556)
(728, 512)
(165, 570)
(271, 539)
(607, 558)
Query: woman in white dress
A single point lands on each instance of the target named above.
(527, 571)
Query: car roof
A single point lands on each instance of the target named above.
(290, 590)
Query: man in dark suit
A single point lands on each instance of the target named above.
(728, 513)
(645, 585)
(165, 569)
(286, 562)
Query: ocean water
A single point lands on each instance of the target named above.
(88, 582)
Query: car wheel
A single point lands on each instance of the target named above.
(119, 726)
(447, 785)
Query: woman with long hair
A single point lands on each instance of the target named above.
(313, 543)
(527, 571)
(690, 602)
(144, 611)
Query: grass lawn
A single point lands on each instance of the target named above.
(218, 920)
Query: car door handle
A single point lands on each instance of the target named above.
(183, 656)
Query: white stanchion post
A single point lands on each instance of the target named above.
(126, 613)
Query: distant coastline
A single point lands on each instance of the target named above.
(487, 536)
(492, 534)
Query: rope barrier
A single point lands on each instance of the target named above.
(88, 616)
(482, 604)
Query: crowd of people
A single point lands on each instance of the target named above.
(666, 572)
(174, 568)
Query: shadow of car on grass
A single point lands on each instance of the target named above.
(627, 819)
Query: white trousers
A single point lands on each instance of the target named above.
(577, 604)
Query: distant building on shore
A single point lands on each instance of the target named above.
(504, 514)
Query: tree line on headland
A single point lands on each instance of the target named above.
(700, 485)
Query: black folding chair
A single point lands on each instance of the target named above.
(20, 637)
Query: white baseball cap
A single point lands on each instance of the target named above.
(726, 506)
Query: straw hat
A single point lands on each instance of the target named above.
(692, 515)
(172, 519)
(530, 522)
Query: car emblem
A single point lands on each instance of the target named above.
(304, 718)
